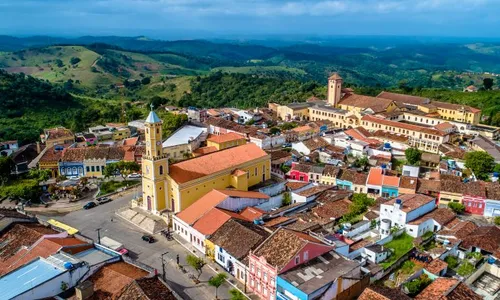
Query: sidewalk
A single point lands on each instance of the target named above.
(231, 281)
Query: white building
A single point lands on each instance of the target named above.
(433, 221)
(401, 210)
(375, 253)
(184, 141)
(411, 171)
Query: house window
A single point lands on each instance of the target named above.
(256, 170)
(265, 276)
(92, 168)
(297, 260)
(88, 169)
(306, 255)
(161, 170)
(221, 257)
(98, 168)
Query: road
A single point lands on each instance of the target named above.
(103, 217)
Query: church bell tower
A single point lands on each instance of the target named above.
(154, 167)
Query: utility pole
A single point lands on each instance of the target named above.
(98, 235)
(163, 266)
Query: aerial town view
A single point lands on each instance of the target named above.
(163, 150)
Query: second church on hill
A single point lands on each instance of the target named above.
(175, 187)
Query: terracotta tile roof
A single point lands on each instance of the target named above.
(252, 213)
(376, 292)
(408, 182)
(382, 134)
(314, 190)
(204, 150)
(378, 201)
(96, 153)
(376, 104)
(251, 234)
(315, 143)
(214, 219)
(205, 165)
(51, 155)
(116, 153)
(485, 237)
(407, 126)
(227, 137)
(210, 200)
(431, 157)
(441, 215)
(451, 184)
(280, 155)
(332, 209)
(57, 133)
(371, 215)
(146, 289)
(447, 289)
(402, 98)
(335, 149)
(130, 141)
(331, 171)
(453, 106)
(295, 185)
(444, 126)
(436, 266)
(376, 177)
(276, 221)
(302, 128)
(304, 223)
(73, 154)
(304, 168)
(359, 244)
(475, 189)
(452, 151)
(460, 230)
(43, 249)
(411, 202)
(362, 135)
(353, 176)
(21, 235)
(282, 246)
(110, 280)
(493, 191)
(426, 186)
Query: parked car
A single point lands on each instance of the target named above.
(134, 176)
(148, 238)
(89, 205)
(103, 200)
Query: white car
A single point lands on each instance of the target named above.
(134, 176)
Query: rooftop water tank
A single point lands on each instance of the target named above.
(384, 166)
(68, 265)
(398, 201)
(496, 174)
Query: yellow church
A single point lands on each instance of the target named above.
(175, 187)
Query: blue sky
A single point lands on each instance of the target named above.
(222, 18)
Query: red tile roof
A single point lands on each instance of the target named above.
(252, 213)
(205, 165)
(446, 288)
(21, 235)
(148, 288)
(43, 249)
(227, 137)
(436, 266)
(276, 221)
(376, 292)
(407, 99)
(361, 101)
(282, 246)
(459, 230)
(485, 237)
(210, 200)
(442, 216)
(294, 185)
(376, 177)
(403, 125)
(411, 201)
(213, 220)
(204, 150)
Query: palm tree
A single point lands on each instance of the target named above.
(216, 281)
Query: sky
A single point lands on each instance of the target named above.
(176, 19)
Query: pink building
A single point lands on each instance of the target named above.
(300, 172)
(282, 251)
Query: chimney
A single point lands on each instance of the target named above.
(38, 147)
(84, 290)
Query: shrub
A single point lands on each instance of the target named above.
(465, 269)
(497, 220)
(456, 207)
(74, 60)
(452, 261)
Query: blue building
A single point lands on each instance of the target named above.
(71, 163)
(325, 276)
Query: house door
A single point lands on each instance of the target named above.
(172, 205)
(263, 177)
(149, 202)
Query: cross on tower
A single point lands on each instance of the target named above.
(152, 106)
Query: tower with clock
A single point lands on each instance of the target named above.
(154, 166)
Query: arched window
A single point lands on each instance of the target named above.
(161, 170)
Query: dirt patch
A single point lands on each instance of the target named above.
(25, 70)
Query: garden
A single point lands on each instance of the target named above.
(400, 245)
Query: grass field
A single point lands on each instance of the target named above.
(259, 69)
(400, 245)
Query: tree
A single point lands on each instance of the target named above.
(236, 295)
(452, 261)
(465, 269)
(146, 80)
(488, 83)
(456, 207)
(74, 60)
(274, 130)
(361, 162)
(39, 175)
(124, 168)
(6, 164)
(216, 281)
(287, 199)
(413, 155)
(480, 162)
(496, 168)
(196, 263)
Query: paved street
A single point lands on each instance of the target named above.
(104, 217)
